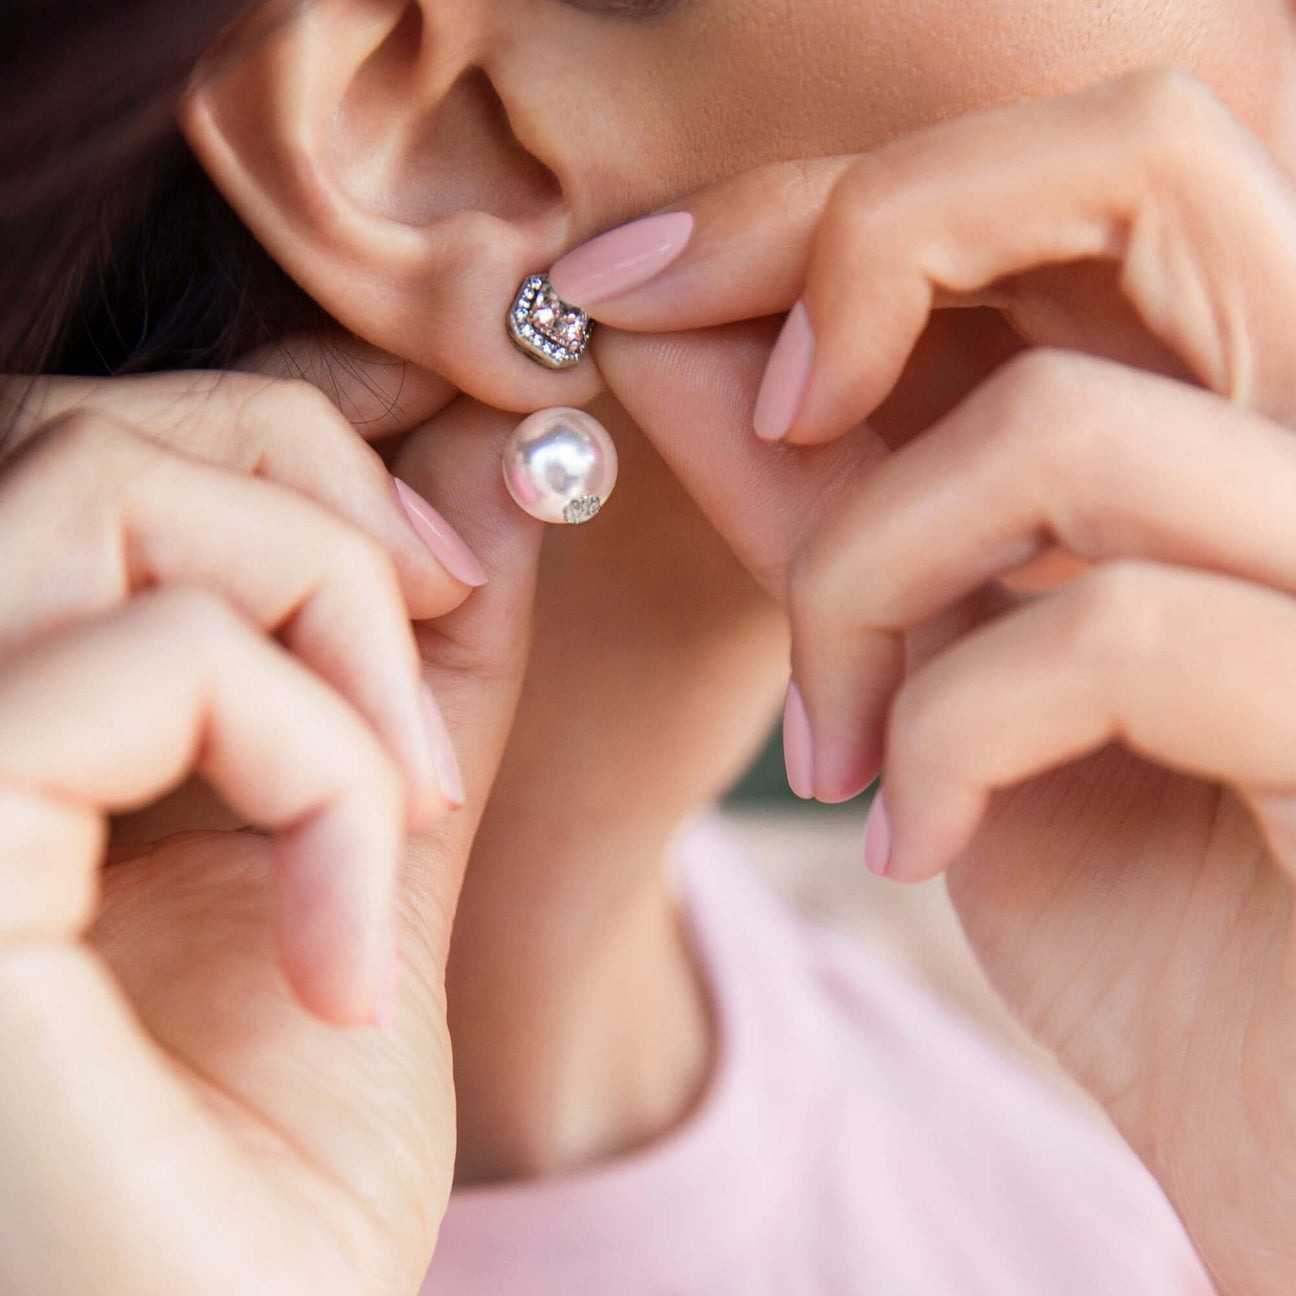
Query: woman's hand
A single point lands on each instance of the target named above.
(172, 1119)
(1107, 770)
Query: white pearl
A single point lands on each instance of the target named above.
(560, 465)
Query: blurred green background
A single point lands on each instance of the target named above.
(766, 780)
(765, 783)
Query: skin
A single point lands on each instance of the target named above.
(552, 940)
(361, 233)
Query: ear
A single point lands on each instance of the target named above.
(367, 149)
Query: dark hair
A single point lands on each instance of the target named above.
(117, 255)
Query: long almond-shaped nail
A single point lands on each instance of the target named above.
(446, 544)
(786, 375)
(798, 744)
(845, 764)
(877, 836)
(621, 259)
(444, 759)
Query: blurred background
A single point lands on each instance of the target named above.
(814, 855)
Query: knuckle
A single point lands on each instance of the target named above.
(294, 399)
(817, 602)
(1159, 96)
(288, 407)
(1037, 389)
(78, 438)
(359, 560)
(1037, 382)
(193, 616)
(860, 210)
(86, 464)
(797, 186)
(1089, 500)
(1169, 109)
(70, 837)
(915, 719)
(1115, 615)
(1052, 411)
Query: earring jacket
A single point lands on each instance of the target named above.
(546, 328)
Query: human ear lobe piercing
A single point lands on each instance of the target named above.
(546, 328)
(560, 465)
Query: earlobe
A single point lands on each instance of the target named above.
(368, 151)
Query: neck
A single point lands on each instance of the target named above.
(579, 1024)
(574, 1051)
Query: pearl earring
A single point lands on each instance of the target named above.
(546, 328)
(560, 465)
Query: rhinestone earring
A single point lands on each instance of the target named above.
(546, 328)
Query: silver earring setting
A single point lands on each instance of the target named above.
(546, 328)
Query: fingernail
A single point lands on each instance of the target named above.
(842, 768)
(798, 744)
(389, 991)
(877, 836)
(441, 538)
(444, 759)
(786, 375)
(621, 259)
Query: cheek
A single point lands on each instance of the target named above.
(987, 51)
(777, 79)
(1257, 77)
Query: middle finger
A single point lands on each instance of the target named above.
(1056, 448)
(91, 513)
(1151, 171)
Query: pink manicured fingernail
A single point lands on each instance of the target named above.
(786, 375)
(443, 753)
(441, 538)
(877, 836)
(621, 259)
(843, 767)
(798, 744)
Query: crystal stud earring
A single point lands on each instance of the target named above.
(560, 465)
(545, 327)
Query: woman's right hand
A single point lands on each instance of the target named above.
(1101, 756)
(170, 1117)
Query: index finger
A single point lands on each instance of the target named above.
(287, 430)
(1151, 170)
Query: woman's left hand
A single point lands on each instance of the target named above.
(179, 1111)
(1105, 770)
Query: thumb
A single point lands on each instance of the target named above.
(693, 394)
(474, 657)
(447, 447)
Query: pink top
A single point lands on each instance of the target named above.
(857, 1137)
